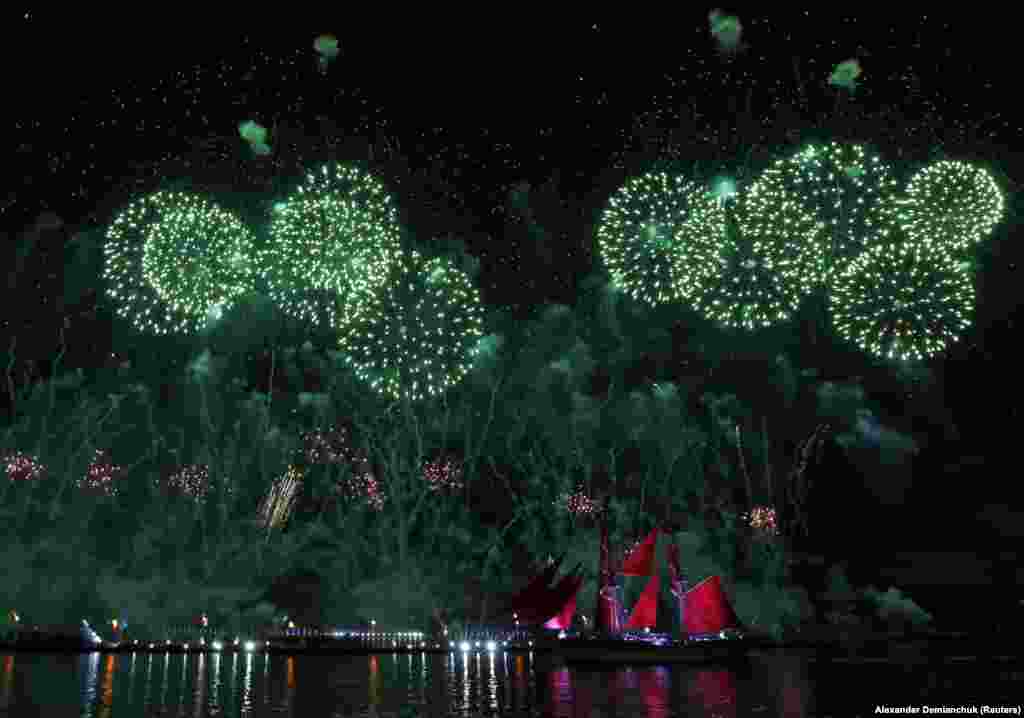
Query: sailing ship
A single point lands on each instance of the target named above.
(709, 629)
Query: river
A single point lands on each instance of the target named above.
(471, 685)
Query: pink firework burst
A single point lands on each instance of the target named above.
(22, 467)
(443, 474)
(102, 476)
(577, 502)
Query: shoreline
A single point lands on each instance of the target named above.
(864, 646)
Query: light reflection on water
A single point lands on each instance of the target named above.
(459, 684)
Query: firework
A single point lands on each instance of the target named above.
(765, 261)
(191, 481)
(649, 232)
(418, 335)
(329, 446)
(175, 262)
(951, 202)
(762, 520)
(276, 507)
(848, 189)
(101, 477)
(362, 486)
(443, 474)
(337, 234)
(22, 467)
(903, 301)
(577, 502)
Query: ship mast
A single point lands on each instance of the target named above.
(608, 617)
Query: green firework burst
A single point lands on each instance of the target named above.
(849, 188)
(951, 202)
(338, 233)
(648, 231)
(418, 334)
(764, 265)
(902, 300)
(175, 261)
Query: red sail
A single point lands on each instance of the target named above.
(708, 609)
(536, 590)
(563, 619)
(554, 600)
(558, 598)
(640, 561)
(645, 611)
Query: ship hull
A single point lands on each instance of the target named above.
(620, 652)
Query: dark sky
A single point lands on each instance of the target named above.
(479, 103)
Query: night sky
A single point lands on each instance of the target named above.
(99, 109)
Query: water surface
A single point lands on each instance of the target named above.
(260, 685)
